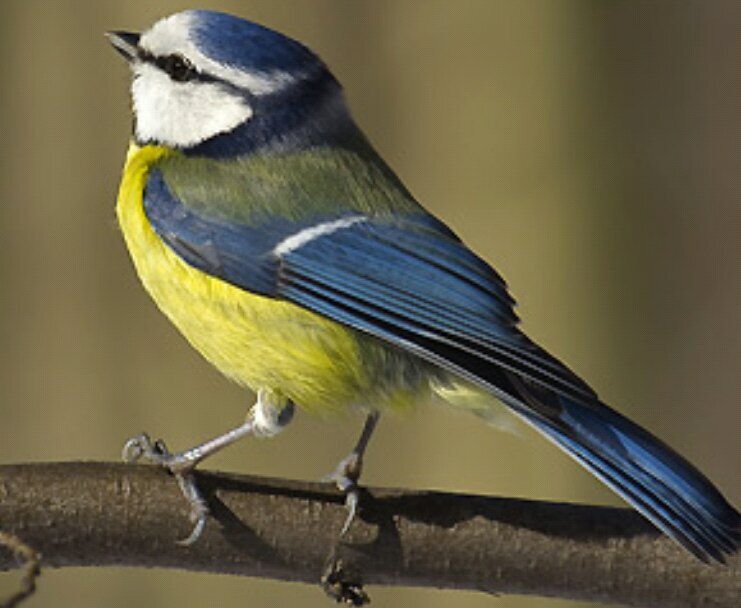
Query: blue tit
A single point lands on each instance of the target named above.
(268, 230)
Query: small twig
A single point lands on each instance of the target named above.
(31, 568)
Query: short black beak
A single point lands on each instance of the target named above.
(125, 43)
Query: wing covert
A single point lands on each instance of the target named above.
(406, 279)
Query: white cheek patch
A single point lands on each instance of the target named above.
(182, 114)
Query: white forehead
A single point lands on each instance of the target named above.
(173, 34)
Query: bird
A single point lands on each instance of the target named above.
(267, 228)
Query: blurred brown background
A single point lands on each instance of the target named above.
(590, 150)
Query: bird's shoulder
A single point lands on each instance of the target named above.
(295, 186)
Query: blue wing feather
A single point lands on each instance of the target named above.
(410, 281)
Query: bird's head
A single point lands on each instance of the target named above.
(208, 80)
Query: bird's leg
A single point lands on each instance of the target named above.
(348, 471)
(265, 419)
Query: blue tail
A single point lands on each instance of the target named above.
(657, 481)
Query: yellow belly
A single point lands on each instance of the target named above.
(259, 342)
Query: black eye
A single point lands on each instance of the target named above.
(177, 67)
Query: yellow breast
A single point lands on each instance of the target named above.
(256, 341)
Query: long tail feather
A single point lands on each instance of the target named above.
(649, 475)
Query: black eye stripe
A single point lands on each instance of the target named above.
(170, 64)
(177, 67)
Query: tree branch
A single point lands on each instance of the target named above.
(99, 514)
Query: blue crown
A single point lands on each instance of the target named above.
(248, 46)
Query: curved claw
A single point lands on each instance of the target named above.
(198, 507)
(195, 533)
(142, 447)
(345, 477)
(199, 526)
(352, 499)
(134, 449)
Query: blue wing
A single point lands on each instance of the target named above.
(409, 280)
(406, 279)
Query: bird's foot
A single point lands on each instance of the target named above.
(265, 419)
(346, 477)
(181, 466)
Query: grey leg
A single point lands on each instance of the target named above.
(348, 471)
(264, 419)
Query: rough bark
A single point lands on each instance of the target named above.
(101, 514)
